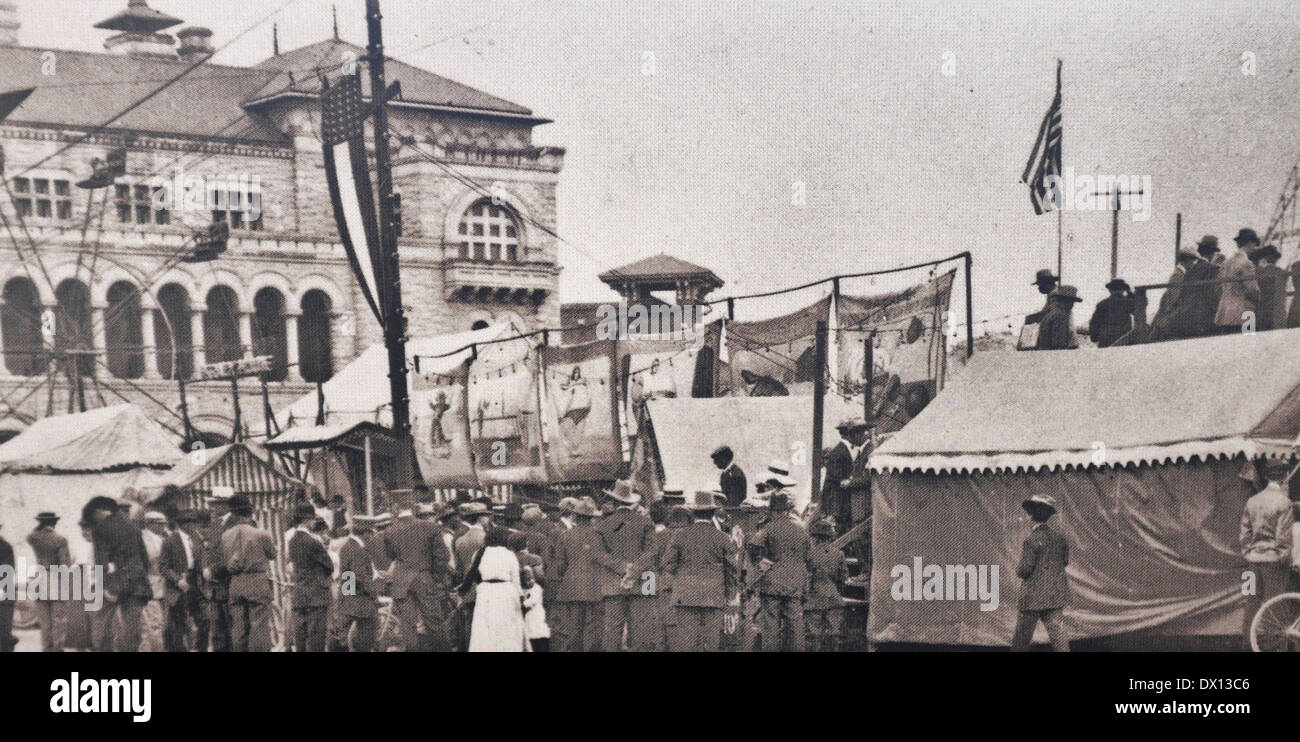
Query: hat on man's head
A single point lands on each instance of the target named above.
(240, 503)
(584, 508)
(851, 423)
(1245, 236)
(364, 522)
(1039, 502)
(722, 452)
(676, 495)
(47, 517)
(624, 491)
(303, 511)
(532, 514)
(701, 500)
(779, 471)
(1186, 253)
(153, 516)
(1067, 292)
(567, 504)
(1118, 283)
(1044, 276)
(473, 509)
(1265, 252)
(1207, 245)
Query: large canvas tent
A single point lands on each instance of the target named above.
(58, 463)
(1150, 452)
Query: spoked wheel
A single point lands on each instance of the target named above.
(1276, 627)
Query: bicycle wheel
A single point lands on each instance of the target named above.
(1276, 626)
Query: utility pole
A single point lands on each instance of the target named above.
(819, 400)
(390, 283)
(1114, 225)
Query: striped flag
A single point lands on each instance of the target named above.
(343, 115)
(1045, 160)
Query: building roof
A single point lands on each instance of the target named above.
(138, 17)
(1141, 404)
(659, 267)
(214, 101)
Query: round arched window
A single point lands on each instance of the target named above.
(489, 231)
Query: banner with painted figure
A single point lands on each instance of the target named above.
(440, 426)
(659, 366)
(773, 357)
(910, 351)
(504, 426)
(580, 431)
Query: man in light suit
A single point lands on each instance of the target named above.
(51, 551)
(1042, 567)
(1238, 297)
(1266, 543)
(785, 565)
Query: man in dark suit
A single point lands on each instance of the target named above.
(626, 535)
(732, 479)
(421, 580)
(1042, 567)
(312, 573)
(248, 551)
(7, 602)
(216, 577)
(119, 551)
(181, 567)
(1113, 317)
(785, 560)
(700, 561)
(844, 473)
(358, 598)
(1171, 316)
(52, 553)
(576, 569)
(1201, 301)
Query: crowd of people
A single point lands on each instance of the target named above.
(603, 570)
(1208, 293)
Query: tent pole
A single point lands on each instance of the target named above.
(819, 401)
(370, 492)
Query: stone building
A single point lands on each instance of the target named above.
(99, 303)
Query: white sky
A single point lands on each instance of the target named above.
(900, 162)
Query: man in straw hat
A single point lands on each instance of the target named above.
(785, 558)
(1056, 329)
(626, 535)
(248, 551)
(52, 554)
(1045, 590)
(575, 571)
(699, 560)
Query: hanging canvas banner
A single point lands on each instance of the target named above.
(579, 399)
(660, 366)
(440, 427)
(910, 349)
(504, 429)
(773, 357)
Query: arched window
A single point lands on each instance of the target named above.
(122, 332)
(20, 323)
(489, 231)
(268, 331)
(173, 332)
(314, 337)
(72, 327)
(221, 326)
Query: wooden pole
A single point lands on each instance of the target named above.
(869, 411)
(819, 401)
(1114, 238)
(1178, 236)
(370, 490)
(970, 314)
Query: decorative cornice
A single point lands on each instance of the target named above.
(145, 140)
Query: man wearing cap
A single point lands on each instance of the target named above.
(626, 536)
(421, 581)
(120, 552)
(699, 560)
(358, 599)
(1045, 590)
(823, 610)
(181, 567)
(1171, 320)
(1113, 317)
(312, 570)
(248, 551)
(1056, 330)
(844, 472)
(1266, 542)
(785, 560)
(731, 481)
(576, 570)
(1272, 288)
(1236, 298)
(52, 554)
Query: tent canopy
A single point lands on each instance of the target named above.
(108, 438)
(758, 430)
(1155, 403)
(359, 391)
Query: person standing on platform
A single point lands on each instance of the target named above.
(1056, 330)
(1238, 297)
(843, 468)
(700, 561)
(52, 553)
(1045, 590)
(731, 482)
(1271, 314)
(1113, 317)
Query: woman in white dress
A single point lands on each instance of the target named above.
(498, 624)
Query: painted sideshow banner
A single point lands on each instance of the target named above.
(504, 429)
(659, 366)
(579, 398)
(773, 357)
(910, 352)
(440, 427)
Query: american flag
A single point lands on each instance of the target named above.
(1045, 160)
(343, 114)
